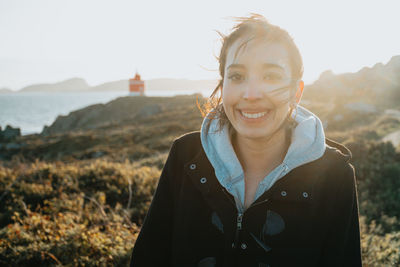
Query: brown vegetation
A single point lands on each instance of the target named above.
(78, 196)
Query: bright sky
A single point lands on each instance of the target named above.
(101, 41)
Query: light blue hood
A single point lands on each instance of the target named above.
(307, 144)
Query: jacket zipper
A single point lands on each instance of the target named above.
(239, 217)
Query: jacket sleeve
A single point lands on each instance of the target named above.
(153, 244)
(342, 244)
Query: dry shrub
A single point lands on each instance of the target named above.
(79, 214)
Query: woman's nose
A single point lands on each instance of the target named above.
(252, 92)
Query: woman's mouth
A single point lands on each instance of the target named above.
(254, 116)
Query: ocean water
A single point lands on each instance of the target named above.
(32, 111)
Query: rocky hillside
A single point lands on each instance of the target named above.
(125, 128)
(121, 111)
(378, 86)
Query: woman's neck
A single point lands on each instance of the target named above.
(261, 155)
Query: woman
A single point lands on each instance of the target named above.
(259, 185)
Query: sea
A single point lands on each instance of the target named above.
(32, 111)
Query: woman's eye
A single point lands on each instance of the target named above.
(236, 77)
(273, 77)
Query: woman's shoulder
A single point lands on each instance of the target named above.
(337, 150)
(186, 146)
(336, 164)
(188, 139)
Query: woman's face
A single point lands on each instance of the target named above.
(249, 101)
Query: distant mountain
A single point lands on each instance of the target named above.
(121, 85)
(70, 85)
(159, 84)
(80, 85)
(5, 91)
(180, 84)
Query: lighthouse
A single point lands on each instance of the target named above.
(136, 86)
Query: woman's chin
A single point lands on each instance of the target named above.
(256, 134)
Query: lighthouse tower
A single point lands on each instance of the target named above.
(136, 86)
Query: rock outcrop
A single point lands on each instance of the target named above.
(9, 133)
(123, 110)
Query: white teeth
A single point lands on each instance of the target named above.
(253, 115)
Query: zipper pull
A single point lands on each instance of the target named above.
(238, 228)
(239, 221)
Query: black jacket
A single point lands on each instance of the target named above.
(307, 218)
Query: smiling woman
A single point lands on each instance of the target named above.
(259, 184)
(248, 97)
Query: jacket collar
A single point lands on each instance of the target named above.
(307, 144)
(202, 175)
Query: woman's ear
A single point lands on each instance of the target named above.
(299, 91)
